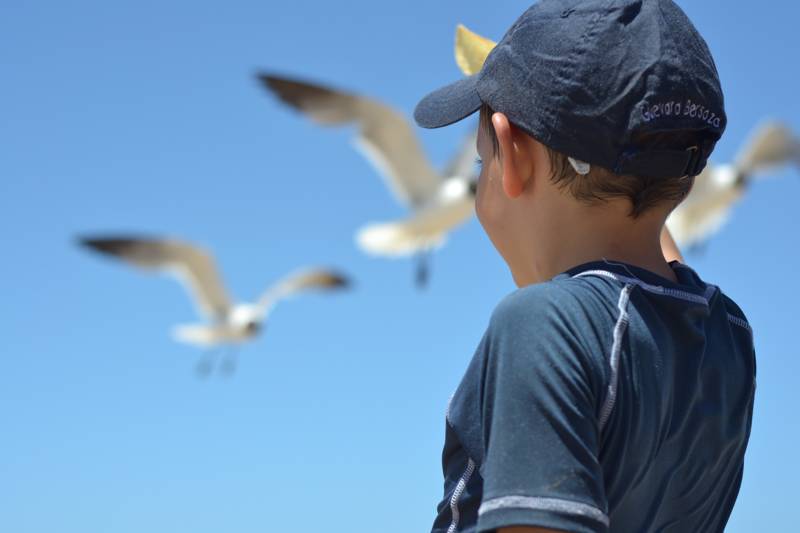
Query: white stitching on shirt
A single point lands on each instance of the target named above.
(742, 323)
(613, 360)
(657, 289)
(544, 504)
(462, 484)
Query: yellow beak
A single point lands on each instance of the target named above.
(471, 50)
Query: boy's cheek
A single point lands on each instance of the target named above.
(488, 203)
(480, 196)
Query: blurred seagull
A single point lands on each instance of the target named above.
(438, 202)
(715, 190)
(228, 323)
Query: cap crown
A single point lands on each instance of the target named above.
(592, 78)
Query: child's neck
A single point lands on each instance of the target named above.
(582, 234)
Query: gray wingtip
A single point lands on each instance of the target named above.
(109, 244)
(103, 244)
(296, 92)
(282, 85)
(339, 280)
(267, 79)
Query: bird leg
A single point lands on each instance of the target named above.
(206, 363)
(422, 273)
(229, 361)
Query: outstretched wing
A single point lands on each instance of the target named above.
(322, 279)
(424, 230)
(771, 145)
(384, 136)
(707, 207)
(192, 265)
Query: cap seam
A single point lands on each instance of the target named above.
(579, 47)
(627, 145)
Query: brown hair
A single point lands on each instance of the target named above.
(600, 184)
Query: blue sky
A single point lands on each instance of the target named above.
(145, 117)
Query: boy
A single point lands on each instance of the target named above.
(614, 390)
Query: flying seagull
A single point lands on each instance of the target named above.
(719, 187)
(228, 323)
(716, 190)
(438, 201)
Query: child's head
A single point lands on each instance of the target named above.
(587, 106)
(528, 192)
(593, 184)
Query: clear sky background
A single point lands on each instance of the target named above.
(145, 117)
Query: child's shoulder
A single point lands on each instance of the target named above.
(561, 296)
(561, 327)
(564, 312)
(736, 316)
(732, 307)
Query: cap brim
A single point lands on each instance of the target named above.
(449, 104)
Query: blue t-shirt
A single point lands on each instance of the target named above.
(608, 399)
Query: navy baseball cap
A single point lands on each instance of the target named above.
(598, 80)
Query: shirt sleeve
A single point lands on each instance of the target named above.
(539, 407)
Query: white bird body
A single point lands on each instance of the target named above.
(244, 322)
(438, 201)
(428, 226)
(227, 323)
(718, 188)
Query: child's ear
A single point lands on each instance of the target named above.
(514, 156)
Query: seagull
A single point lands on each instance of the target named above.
(716, 189)
(227, 323)
(438, 202)
(719, 187)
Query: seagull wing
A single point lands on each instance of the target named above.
(717, 189)
(298, 282)
(771, 145)
(193, 266)
(463, 162)
(384, 136)
(707, 207)
(424, 230)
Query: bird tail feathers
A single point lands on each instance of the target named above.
(201, 335)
